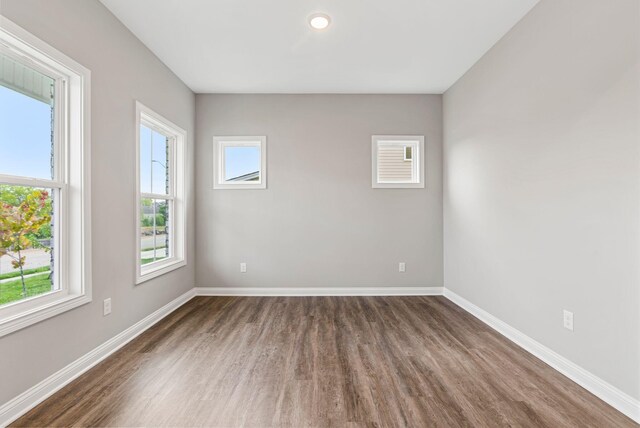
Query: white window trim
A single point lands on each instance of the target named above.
(178, 233)
(219, 143)
(72, 157)
(417, 141)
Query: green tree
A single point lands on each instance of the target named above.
(160, 222)
(23, 213)
(14, 195)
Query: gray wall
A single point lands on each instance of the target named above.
(122, 70)
(319, 223)
(542, 183)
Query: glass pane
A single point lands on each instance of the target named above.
(145, 159)
(154, 171)
(26, 242)
(26, 112)
(154, 230)
(160, 167)
(392, 166)
(408, 150)
(241, 163)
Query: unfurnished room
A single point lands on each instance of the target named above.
(320, 213)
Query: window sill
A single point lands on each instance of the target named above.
(239, 186)
(40, 313)
(159, 269)
(398, 186)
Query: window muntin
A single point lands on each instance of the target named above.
(240, 162)
(44, 176)
(161, 217)
(397, 161)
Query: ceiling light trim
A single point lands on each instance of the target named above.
(319, 21)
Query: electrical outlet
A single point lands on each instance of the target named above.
(243, 267)
(106, 306)
(402, 267)
(568, 319)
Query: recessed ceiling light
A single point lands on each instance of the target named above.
(319, 21)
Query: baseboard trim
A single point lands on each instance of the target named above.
(319, 291)
(26, 401)
(598, 387)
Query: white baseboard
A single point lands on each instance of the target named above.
(26, 401)
(319, 291)
(598, 387)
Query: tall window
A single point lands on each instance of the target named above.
(27, 152)
(44, 234)
(161, 224)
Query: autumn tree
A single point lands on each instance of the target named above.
(21, 220)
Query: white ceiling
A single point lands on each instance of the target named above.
(372, 46)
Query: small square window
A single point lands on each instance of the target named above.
(240, 162)
(397, 161)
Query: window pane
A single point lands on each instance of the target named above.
(154, 165)
(26, 109)
(160, 167)
(26, 242)
(145, 159)
(242, 163)
(154, 229)
(392, 166)
(408, 150)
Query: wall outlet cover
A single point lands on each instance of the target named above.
(567, 319)
(106, 306)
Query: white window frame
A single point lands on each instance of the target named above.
(177, 214)
(72, 184)
(417, 144)
(219, 144)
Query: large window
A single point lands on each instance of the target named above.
(44, 195)
(397, 161)
(161, 217)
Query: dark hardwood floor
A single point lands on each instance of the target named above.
(322, 361)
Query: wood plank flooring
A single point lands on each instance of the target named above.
(322, 361)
